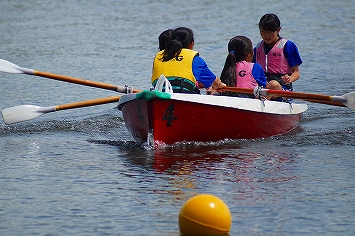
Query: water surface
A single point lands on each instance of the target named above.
(79, 172)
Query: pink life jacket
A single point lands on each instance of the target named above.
(275, 61)
(244, 75)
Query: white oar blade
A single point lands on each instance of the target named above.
(23, 113)
(9, 67)
(350, 100)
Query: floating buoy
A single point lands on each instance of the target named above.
(204, 215)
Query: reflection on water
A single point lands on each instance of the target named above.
(182, 160)
(246, 174)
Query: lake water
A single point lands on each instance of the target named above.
(79, 172)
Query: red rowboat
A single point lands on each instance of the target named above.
(174, 117)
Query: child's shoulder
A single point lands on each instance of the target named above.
(290, 42)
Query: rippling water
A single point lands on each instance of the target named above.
(79, 172)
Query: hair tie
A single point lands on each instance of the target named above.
(232, 51)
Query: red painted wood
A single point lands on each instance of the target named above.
(198, 122)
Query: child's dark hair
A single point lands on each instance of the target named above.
(238, 48)
(181, 38)
(269, 22)
(164, 38)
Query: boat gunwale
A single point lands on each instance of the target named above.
(247, 104)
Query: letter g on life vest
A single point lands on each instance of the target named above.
(242, 73)
(179, 58)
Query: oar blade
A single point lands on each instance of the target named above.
(8, 67)
(21, 113)
(350, 100)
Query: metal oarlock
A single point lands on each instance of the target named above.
(257, 92)
(128, 89)
(260, 92)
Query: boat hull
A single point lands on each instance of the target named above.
(175, 120)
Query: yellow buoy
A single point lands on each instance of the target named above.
(205, 215)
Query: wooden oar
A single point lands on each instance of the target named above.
(339, 104)
(347, 100)
(28, 112)
(8, 67)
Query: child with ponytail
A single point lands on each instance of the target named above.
(239, 71)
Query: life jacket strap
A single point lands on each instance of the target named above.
(183, 86)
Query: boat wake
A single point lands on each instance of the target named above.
(98, 125)
(118, 143)
(179, 146)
